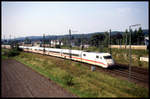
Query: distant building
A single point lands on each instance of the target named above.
(146, 40)
(56, 42)
(72, 44)
(37, 43)
(84, 46)
(21, 43)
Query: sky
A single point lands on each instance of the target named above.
(20, 19)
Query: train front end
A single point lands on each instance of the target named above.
(109, 60)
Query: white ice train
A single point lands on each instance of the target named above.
(100, 59)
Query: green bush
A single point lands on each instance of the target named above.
(139, 62)
(57, 46)
(68, 79)
(19, 49)
(12, 53)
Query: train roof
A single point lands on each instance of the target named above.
(67, 50)
(72, 50)
(53, 49)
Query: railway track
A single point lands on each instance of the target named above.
(134, 75)
(137, 76)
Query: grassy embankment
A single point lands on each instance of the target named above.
(79, 79)
(3, 53)
(121, 56)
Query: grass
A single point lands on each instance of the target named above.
(122, 56)
(79, 79)
(9, 53)
(4, 57)
(3, 53)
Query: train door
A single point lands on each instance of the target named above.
(80, 56)
(98, 58)
(61, 53)
(84, 55)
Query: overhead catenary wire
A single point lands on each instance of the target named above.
(130, 49)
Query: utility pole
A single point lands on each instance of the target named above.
(14, 41)
(82, 45)
(120, 43)
(130, 48)
(10, 41)
(110, 42)
(130, 53)
(44, 44)
(70, 42)
(4, 41)
(126, 41)
(49, 41)
(126, 46)
(10, 38)
(4, 38)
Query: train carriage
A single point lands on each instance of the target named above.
(104, 60)
(54, 52)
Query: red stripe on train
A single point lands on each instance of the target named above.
(87, 60)
(79, 58)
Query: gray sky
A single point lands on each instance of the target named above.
(55, 18)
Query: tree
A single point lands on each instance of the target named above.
(118, 37)
(27, 40)
(140, 36)
(65, 40)
(113, 39)
(131, 34)
(126, 37)
(97, 39)
(77, 41)
(134, 37)
(106, 34)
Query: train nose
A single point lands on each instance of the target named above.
(110, 61)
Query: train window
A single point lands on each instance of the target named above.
(55, 52)
(97, 56)
(107, 57)
(84, 54)
(75, 54)
(67, 53)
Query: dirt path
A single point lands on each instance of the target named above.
(19, 80)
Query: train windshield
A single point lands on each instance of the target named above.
(107, 57)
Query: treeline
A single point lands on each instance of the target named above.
(103, 39)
